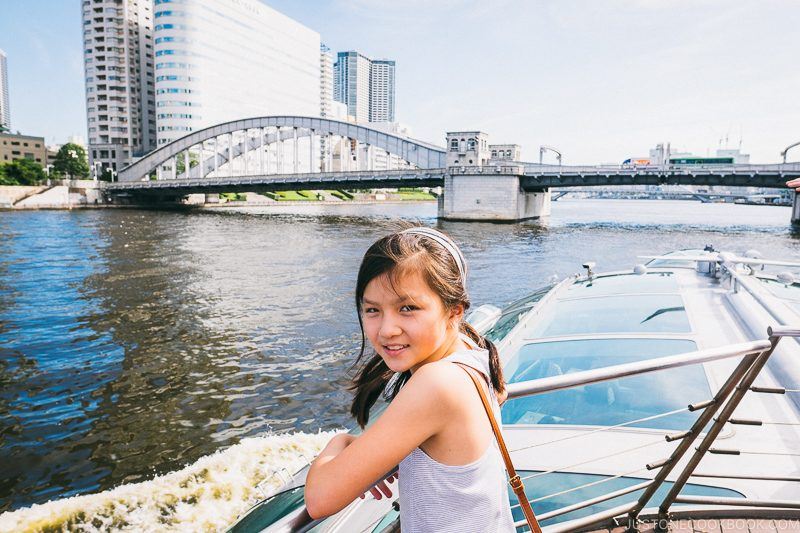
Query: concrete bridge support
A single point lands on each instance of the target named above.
(491, 198)
(796, 209)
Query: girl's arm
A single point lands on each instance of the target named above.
(349, 465)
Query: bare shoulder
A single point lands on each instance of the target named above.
(442, 380)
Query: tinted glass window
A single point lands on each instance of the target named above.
(559, 481)
(269, 511)
(513, 313)
(614, 314)
(663, 263)
(611, 402)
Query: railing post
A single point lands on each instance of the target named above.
(678, 453)
(719, 423)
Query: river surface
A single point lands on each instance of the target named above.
(134, 343)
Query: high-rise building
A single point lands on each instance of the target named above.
(222, 60)
(5, 110)
(351, 83)
(118, 64)
(325, 81)
(366, 86)
(381, 91)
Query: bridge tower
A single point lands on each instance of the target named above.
(476, 189)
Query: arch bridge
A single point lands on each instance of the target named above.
(281, 145)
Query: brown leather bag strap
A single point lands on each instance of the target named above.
(513, 478)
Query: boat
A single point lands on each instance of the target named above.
(665, 396)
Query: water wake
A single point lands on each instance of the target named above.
(205, 496)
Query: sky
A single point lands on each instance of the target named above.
(600, 80)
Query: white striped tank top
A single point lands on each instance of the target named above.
(435, 497)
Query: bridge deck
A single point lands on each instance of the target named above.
(531, 179)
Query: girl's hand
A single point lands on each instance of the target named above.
(381, 488)
(794, 184)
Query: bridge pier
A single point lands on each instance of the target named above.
(486, 196)
(796, 210)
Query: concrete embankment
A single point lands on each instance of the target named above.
(65, 194)
(11, 194)
(78, 194)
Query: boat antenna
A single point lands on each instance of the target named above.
(589, 265)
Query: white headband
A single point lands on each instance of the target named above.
(446, 243)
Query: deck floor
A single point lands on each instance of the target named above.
(718, 525)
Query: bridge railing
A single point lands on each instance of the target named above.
(344, 178)
(676, 168)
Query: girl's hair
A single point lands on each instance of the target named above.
(396, 255)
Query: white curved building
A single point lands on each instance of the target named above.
(221, 60)
(5, 111)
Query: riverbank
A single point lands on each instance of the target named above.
(313, 202)
(62, 194)
(85, 194)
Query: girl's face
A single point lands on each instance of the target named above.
(409, 327)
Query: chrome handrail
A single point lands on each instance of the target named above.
(754, 356)
(596, 375)
(746, 282)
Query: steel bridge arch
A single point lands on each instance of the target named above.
(421, 154)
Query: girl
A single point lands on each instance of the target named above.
(411, 299)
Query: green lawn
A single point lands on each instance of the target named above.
(414, 194)
(295, 196)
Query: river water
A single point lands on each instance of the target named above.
(135, 344)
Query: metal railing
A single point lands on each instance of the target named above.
(719, 408)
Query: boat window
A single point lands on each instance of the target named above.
(622, 284)
(557, 482)
(664, 263)
(513, 313)
(610, 402)
(653, 313)
(270, 511)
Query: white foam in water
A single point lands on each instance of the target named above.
(205, 496)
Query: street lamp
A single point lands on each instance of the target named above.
(74, 155)
(787, 149)
(545, 148)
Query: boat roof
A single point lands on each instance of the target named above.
(603, 432)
